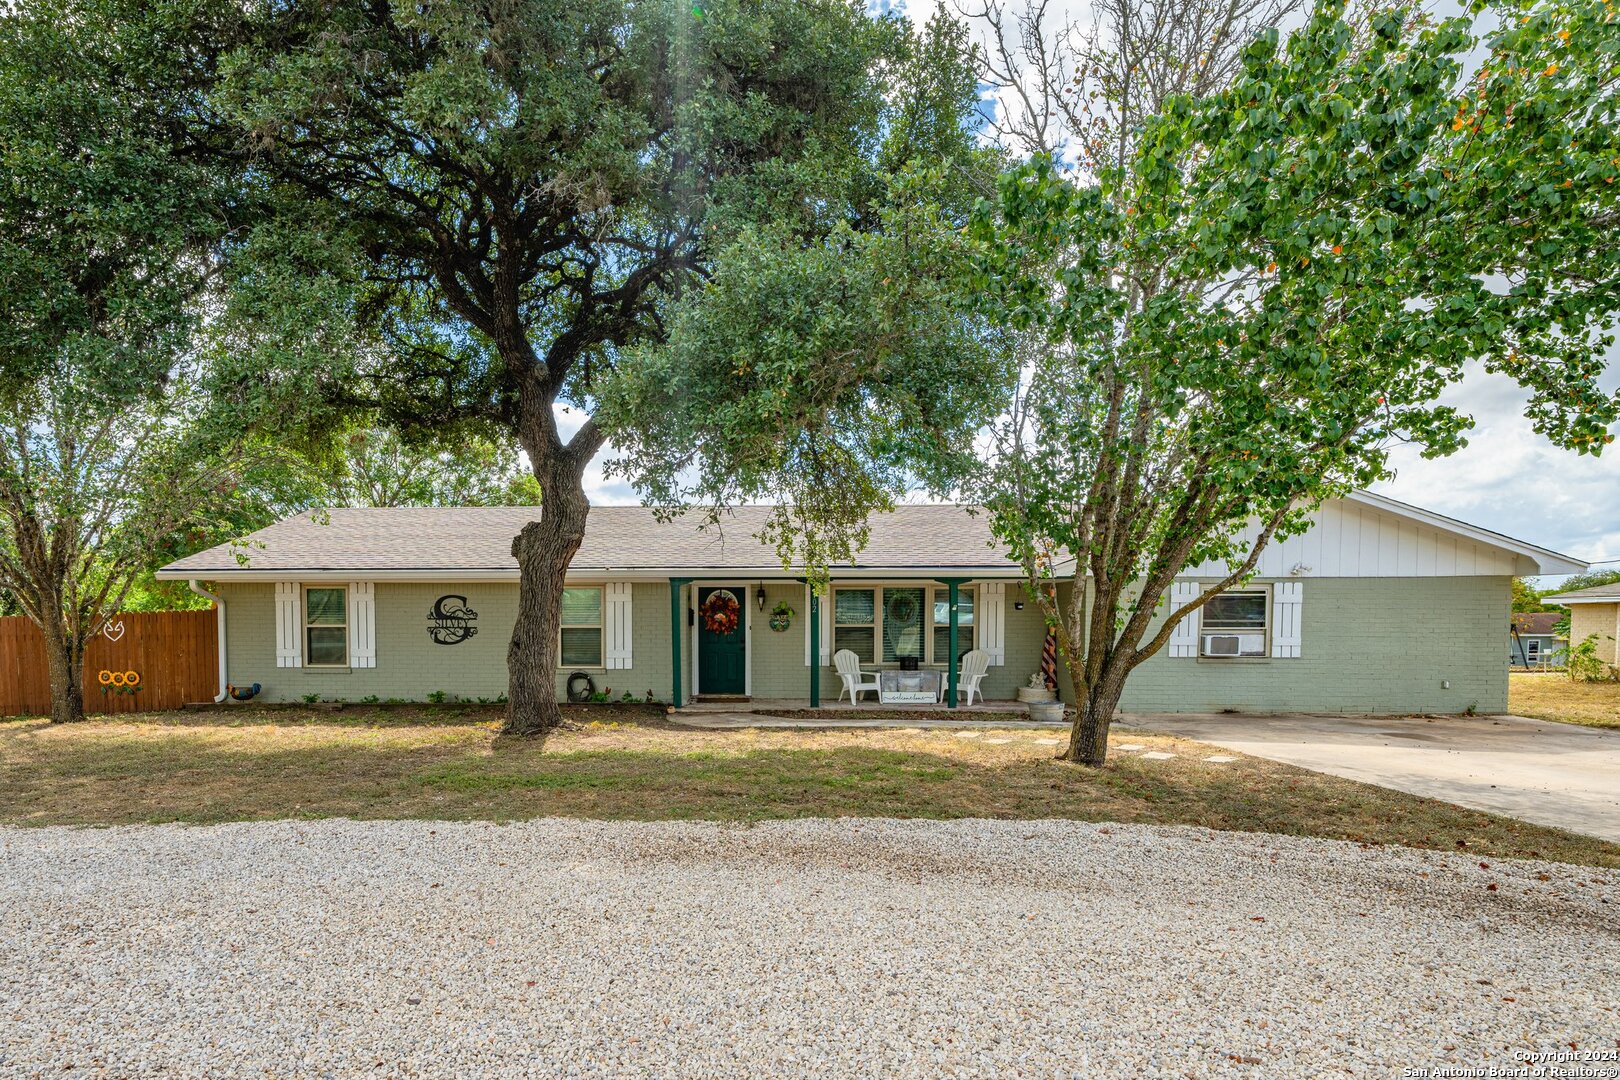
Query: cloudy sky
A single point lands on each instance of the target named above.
(1508, 479)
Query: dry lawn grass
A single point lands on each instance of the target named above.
(631, 764)
(1552, 696)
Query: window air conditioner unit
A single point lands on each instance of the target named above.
(1234, 644)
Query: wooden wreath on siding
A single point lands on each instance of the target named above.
(721, 613)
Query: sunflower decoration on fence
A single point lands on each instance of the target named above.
(721, 612)
(119, 682)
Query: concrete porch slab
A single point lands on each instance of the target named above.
(731, 720)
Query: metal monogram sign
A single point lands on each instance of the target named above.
(451, 620)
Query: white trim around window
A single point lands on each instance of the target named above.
(933, 596)
(572, 623)
(1236, 624)
(331, 631)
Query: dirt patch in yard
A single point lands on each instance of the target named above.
(1554, 696)
(629, 763)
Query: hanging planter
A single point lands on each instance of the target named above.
(782, 616)
(721, 613)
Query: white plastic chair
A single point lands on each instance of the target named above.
(856, 681)
(974, 666)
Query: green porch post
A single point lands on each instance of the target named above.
(953, 666)
(815, 649)
(677, 628)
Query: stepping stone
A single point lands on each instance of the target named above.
(1157, 755)
(1129, 746)
(968, 734)
(1220, 759)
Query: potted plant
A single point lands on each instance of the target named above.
(1046, 712)
(1036, 691)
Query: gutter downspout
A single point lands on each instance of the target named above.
(219, 606)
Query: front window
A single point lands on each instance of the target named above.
(1234, 624)
(942, 623)
(882, 625)
(855, 622)
(903, 616)
(581, 644)
(326, 627)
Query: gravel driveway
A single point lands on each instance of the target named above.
(812, 947)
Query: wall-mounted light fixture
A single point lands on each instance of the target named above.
(759, 596)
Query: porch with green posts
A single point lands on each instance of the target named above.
(952, 666)
(953, 662)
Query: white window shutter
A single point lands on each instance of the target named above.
(826, 626)
(362, 624)
(992, 619)
(1287, 607)
(289, 625)
(1184, 638)
(616, 627)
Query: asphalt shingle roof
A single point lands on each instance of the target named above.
(479, 539)
(1536, 623)
(1596, 592)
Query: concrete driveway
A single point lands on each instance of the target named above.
(1552, 774)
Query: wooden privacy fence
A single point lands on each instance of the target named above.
(173, 655)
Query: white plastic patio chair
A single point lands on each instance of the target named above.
(856, 681)
(974, 666)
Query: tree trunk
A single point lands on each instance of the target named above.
(65, 663)
(543, 550)
(1088, 738)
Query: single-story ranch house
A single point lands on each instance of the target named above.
(1380, 607)
(1594, 611)
(1533, 639)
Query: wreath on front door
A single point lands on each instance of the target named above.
(721, 613)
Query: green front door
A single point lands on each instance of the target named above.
(722, 642)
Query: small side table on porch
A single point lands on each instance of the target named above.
(909, 687)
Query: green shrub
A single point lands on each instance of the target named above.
(1582, 661)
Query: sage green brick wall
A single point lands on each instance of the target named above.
(1370, 645)
(410, 666)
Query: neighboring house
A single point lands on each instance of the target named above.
(400, 603)
(1594, 611)
(1532, 641)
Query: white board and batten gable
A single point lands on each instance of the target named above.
(1362, 536)
(1366, 535)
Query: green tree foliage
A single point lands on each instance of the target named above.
(1526, 598)
(377, 467)
(830, 373)
(108, 234)
(514, 197)
(1591, 579)
(1235, 320)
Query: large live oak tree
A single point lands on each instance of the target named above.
(527, 187)
(1236, 306)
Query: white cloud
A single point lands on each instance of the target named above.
(1513, 481)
